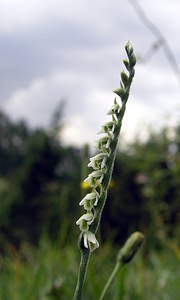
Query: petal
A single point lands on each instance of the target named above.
(93, 178)
(103, 164)
(91, 181)
(95, 161)
(115, 109)
(103, 144)
(86, 217)
(84, 221)
(90, 241)
(94, 164)
(97, 173)
(89, 196)
(85, 241)
(98, 156)
(108, 127)
(84, 226)
(93, 246)
(87, 203)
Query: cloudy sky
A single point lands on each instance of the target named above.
(73, 49)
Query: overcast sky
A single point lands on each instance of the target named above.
(73, 49)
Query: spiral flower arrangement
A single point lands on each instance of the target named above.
(103, 162)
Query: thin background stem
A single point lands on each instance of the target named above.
(113, 275)
(161, 40)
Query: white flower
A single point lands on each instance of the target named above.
(94, 178)
(95, 161)
(108, 128)
(90, 241)
(115, 109)
(87, 203)
(84, 221)
(103, 143)
(90, 200)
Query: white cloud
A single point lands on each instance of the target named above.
(104, 16)
(75, 133)
(154, 93)
(21, 15)
(82, 63)
(35, 102)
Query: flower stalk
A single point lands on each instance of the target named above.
(102, 165)
(125, 255)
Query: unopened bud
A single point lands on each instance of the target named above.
(126, 63)
(129, 48)
(124, 78)
(131, 247)
(120, 92)
(132, 60)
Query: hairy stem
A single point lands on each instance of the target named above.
(85, 255)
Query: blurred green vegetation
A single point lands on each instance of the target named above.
(49, 273)
(40, 188)
(38, 182)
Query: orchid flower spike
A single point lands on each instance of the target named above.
(102, 163)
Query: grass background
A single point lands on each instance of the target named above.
(49, 272)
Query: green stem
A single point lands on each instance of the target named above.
(85, 255)
(117, 117)
(114, 273)
(125, 255)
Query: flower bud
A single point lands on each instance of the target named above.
(126, 63)
(132, 60)
(129, 49)
(131, 247)
(124, 78)
(120, 92)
